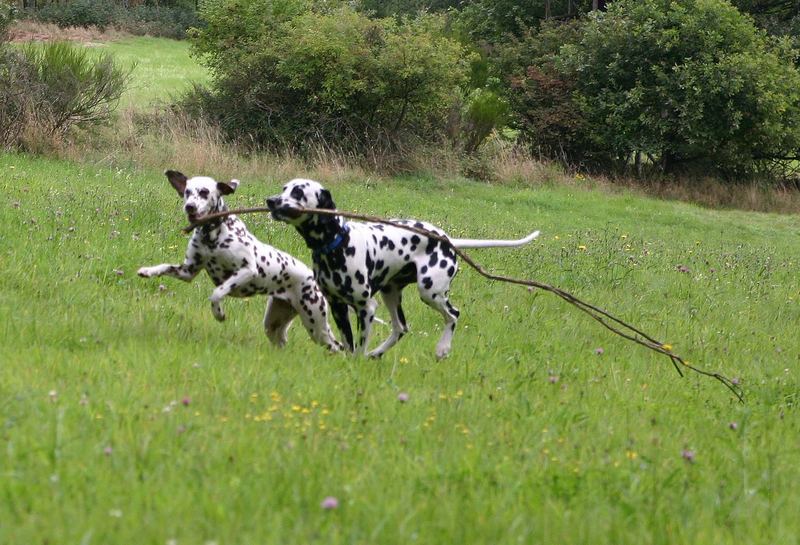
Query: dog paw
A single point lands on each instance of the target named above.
(145, 272)
(216, 310)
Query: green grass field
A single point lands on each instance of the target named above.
(130, 416)
(162, 69)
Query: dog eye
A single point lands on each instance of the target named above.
(187, 192)
(297, 193)
(204, 193)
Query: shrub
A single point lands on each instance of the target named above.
(540, 96)
(170, 21)
(52, 87)
(284, 73)
(80, 13)
(7, 14)
(17, 80)
(494, 20)
(484, 111)
(74, 87)
(686, 83)
(167, 22)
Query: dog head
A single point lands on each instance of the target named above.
(201, 195)
(299, 193)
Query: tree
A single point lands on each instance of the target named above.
(689, 82)
(286, 71)
(494, 21)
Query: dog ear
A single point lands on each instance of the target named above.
(177, 180)
(227, 189)
(325, 200)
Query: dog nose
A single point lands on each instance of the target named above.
(190, 209)
(272, 202)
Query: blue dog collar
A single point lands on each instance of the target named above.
(335, 243)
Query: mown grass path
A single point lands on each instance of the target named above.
(130, 416)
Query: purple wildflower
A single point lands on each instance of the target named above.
(688, 455)
(329, 503)
(402, 397)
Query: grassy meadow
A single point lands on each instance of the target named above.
(162, 69)
(129, 415)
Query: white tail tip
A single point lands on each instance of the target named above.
(478, 243)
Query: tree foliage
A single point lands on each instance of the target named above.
(493, 21)
(684, 82)
(54, 86)
(7, 14)
(540, 96)
(287, 70)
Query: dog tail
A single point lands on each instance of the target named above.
(463, 243)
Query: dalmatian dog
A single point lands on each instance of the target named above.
(355, 261)
(240, 265)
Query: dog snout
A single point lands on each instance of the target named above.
(273, 202)
(190, 208)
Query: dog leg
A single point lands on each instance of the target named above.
(439, 302)
(316, 324)
(340, 312)
(366, 314)
(392, 298)
(242, 276)
(310, 304)
(186, 272)
(277, 319)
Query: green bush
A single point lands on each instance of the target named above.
(688, 84)
(7, 14)
(484, 111)
(51, 87)
(539, 96)
(17, 81)
(286, 71)
(495, 20)
(75, 87)
(170, 21)
(167, 22)
(80, 13)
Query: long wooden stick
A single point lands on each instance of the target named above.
(606, 319)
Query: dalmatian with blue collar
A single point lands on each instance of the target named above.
(241, 266)
(355, 261)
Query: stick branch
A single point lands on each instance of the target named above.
(606, 319)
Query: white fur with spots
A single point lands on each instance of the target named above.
(242, 266)
(354, 262)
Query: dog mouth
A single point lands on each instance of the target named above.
(284, 213)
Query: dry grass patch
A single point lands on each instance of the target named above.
(158, 141)
(34, 31)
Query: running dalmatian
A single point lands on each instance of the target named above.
(356, 261)
(240, 265)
